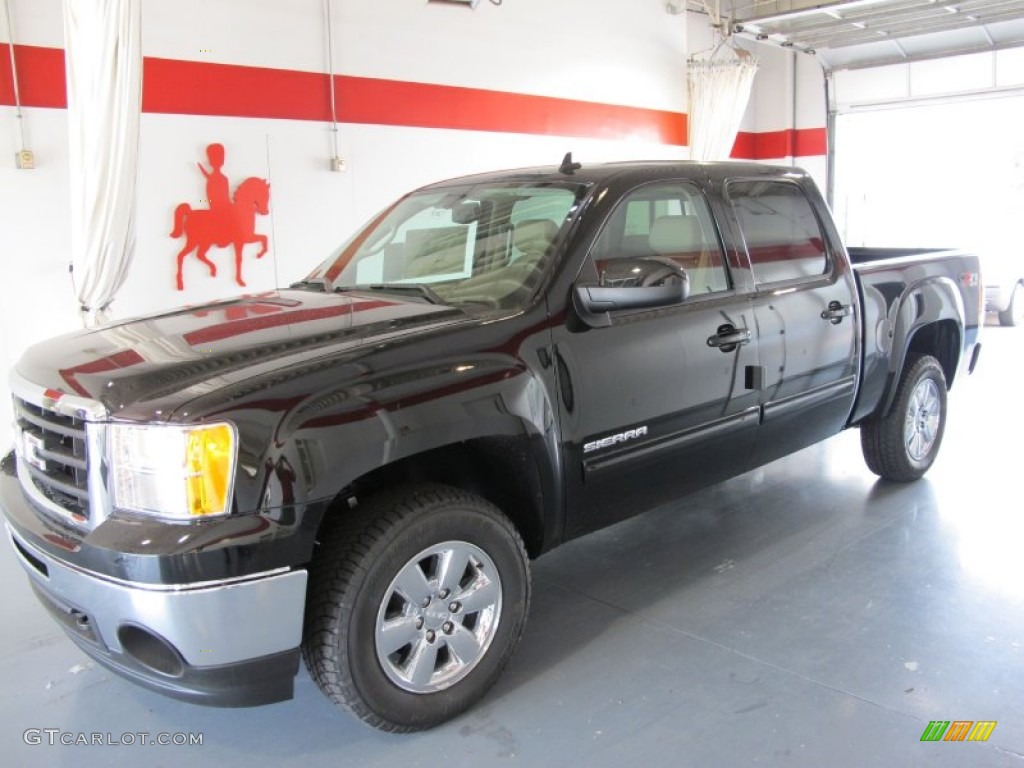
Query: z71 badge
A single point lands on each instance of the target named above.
(622, 437)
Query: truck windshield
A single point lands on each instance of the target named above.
(486, 244)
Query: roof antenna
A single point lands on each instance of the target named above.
(568, 167)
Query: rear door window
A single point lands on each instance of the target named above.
(783, 237)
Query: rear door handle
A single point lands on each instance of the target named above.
(727, 338)
(836, 312)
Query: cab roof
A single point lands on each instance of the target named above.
(635, 170)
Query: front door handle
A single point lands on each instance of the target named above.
(727, 338)
(836, 312)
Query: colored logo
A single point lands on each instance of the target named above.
(958, 730)
(229, 220)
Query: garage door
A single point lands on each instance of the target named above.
(941, 172)
(931, 153)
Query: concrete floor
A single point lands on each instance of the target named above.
(803, 614)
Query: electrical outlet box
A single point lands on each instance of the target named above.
(25, 160)
(337, 164)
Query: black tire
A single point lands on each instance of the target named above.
(888, 443)
(1014, 312)
(357, 564)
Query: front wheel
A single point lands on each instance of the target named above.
(417, 600)
(903, 444)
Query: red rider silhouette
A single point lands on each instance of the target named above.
(229, 221)
(218, 191)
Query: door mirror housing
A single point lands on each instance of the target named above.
(637, 283)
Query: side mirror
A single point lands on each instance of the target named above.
(639, 283)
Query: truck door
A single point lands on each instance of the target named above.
(805, 310)
(653, 404)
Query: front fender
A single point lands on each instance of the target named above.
(377, 423)
(335, 421)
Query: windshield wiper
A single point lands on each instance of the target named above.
(419, 289)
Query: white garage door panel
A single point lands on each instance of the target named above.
(969, 74)
(945, 173)
(1011, 68)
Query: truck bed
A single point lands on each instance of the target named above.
(885, 277)
(865, 255)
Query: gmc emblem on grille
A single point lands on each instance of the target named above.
(30, 447)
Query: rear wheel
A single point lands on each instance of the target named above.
(903, 444)
(416, 602)
(1014, 312)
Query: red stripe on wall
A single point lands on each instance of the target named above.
(802, 142)
(811, 141)
(364, 100)
(200, 88)
(227, 89)
(40, 76)
(171, 86)
(743, 147)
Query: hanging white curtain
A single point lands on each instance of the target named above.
(719, 92)
(103, 62)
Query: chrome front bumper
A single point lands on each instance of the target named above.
(231, 643)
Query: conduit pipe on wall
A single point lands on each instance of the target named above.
(24, 156)
(793, 108)
(830, 139)
(337, 164)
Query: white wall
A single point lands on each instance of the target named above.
(618, 52)
(605, 51)
(789, 95)
(600, 50)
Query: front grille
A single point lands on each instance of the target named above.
(54, 449)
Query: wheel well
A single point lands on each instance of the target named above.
(499, 469)
(941, 340)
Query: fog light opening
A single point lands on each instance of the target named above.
(150, 650)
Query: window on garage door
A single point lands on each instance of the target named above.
(783, 238)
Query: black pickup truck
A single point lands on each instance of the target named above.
(359, 468)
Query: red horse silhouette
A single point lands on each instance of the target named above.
(234, 225)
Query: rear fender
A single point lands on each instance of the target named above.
(923, 305)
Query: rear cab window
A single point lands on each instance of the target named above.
(782, 234)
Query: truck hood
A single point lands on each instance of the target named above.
(147, 367)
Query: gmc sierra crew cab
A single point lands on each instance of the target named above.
(358, 469)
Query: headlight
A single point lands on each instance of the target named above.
(173, 471)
